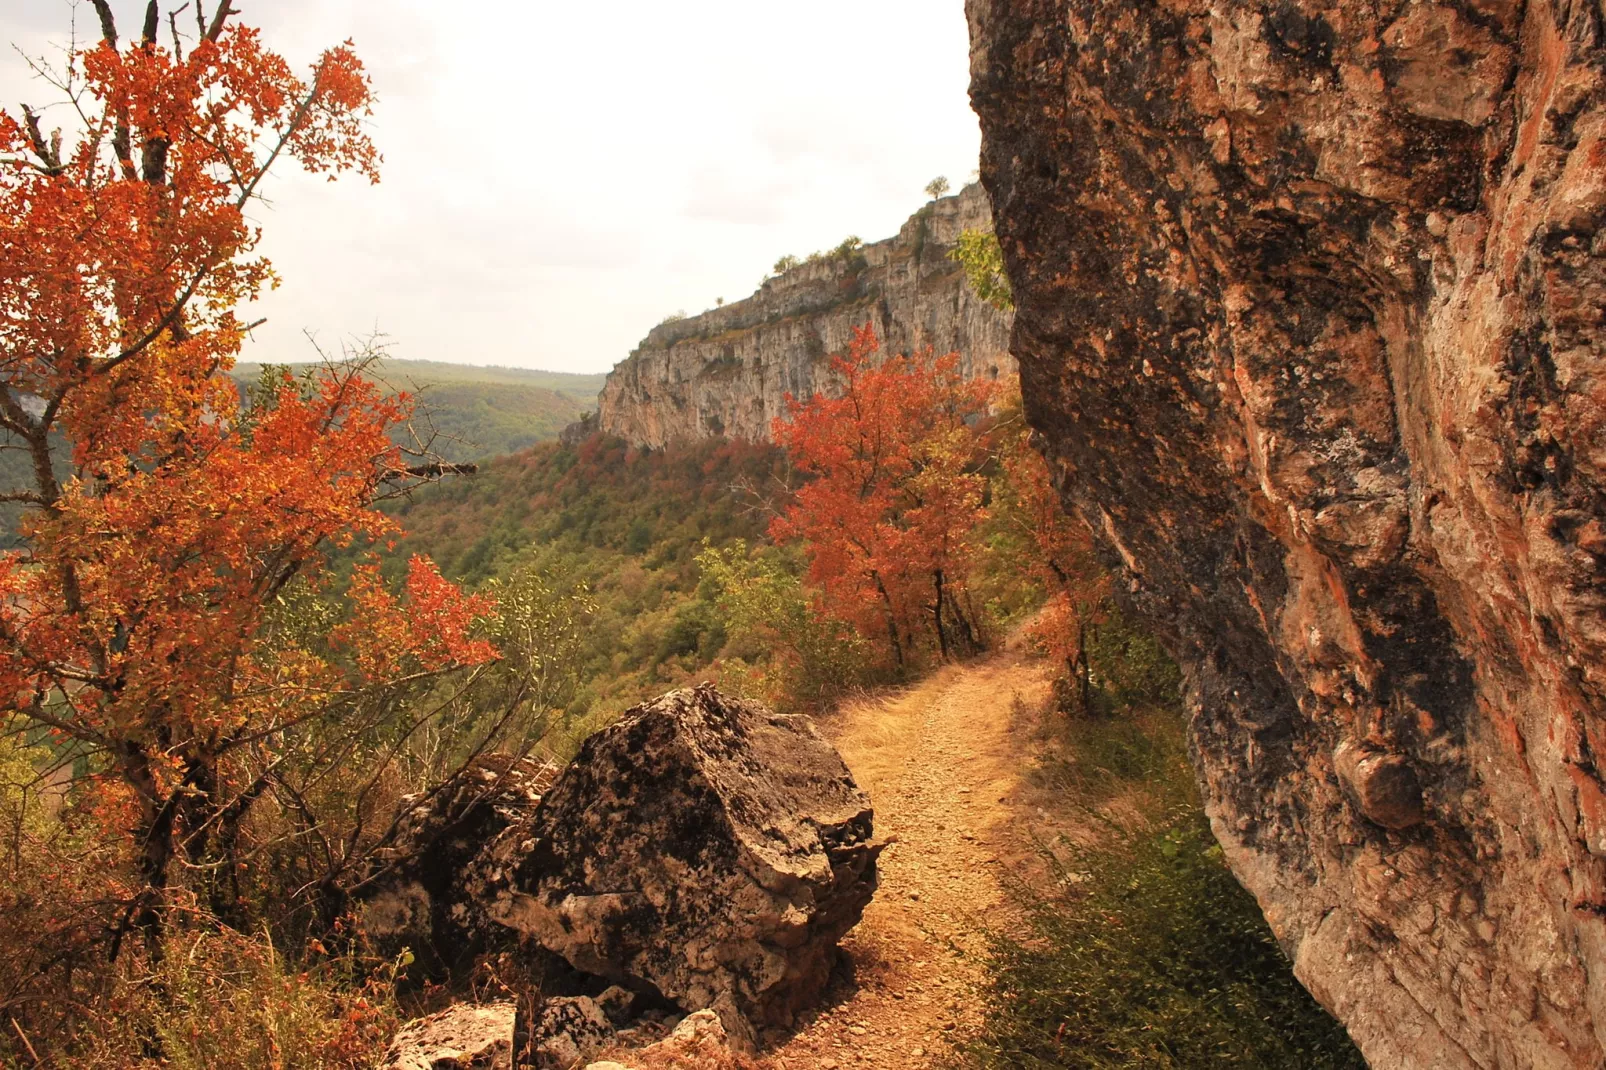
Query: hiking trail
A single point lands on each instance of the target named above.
(945, 765)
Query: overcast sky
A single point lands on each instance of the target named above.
(559, 177)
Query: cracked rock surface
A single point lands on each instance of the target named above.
(1309, 317)
(704, 848)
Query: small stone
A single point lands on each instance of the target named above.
(469, 1035)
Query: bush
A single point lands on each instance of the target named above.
(813, 656)
(1158, 960)
(223, 1000)
(1129, 664)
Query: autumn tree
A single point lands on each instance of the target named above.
(937, 187)
(1054, 550)
(143, 621)
(893, 495)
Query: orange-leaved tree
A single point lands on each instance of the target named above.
(142, 619)
(894, 495)
(1055, 550)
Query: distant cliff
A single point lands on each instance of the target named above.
(729, 370)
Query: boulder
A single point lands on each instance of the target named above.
(416, 897)
(704, 849)
(467, 1036)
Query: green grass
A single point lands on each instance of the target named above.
(1146, 952)
(1158, 959)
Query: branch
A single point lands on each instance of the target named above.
(108, 25)
(433, 470)
(48, 152)
(224, 10)
(178, 42)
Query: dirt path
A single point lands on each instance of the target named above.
(944, 765)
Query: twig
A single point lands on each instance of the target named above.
(26, 1043)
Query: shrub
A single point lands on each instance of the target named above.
(979, 253)
(223, 1000)
(1147, 953)
(814, 656)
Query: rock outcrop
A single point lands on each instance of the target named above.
(420, 896)
(703, 853)
(703, 848)
(729, 370)
(1309, 316)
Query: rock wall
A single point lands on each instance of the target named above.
(1309, 317)
(729, 370)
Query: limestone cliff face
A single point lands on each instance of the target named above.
(728, 371)
(1310, 301)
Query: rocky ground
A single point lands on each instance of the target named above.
(944, 764)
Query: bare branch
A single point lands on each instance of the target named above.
(49, 152)
(172, 23)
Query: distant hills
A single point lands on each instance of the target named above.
(479, 412)
(483, 411)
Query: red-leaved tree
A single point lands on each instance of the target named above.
(893, 497)
(142, 616)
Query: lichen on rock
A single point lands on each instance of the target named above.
(1309, 306)
(704, 847)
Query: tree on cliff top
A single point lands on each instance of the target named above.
(141, 622)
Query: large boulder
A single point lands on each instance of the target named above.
(704, 848)
(416, 897)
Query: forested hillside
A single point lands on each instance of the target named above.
(480, 411)
(627, 524)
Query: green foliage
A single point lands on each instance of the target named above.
(785, 264)
(1158, 959)
(624, 523)
(937, 187)
(22, 804)
(1129, 665)
(979, 253)
(1150, 955)
(766, 605)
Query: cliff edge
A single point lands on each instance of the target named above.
(729, 370)
(1309, 306)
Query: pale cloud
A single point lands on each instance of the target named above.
(558, 177)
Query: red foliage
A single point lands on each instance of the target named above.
(894, 497)
(134, 621)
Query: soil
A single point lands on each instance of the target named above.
(946, 766)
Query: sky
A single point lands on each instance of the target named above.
(559, 177)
